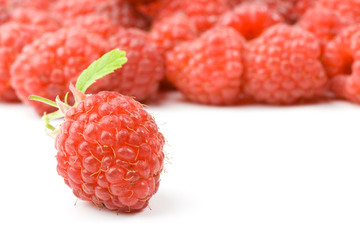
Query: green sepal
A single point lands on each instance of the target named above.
(43, 100)
(105, 65)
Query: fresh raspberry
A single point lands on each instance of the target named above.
(47, 65)
(119, 12)
(110, 152)
(13, 37)
(323, 23)
(346, 9)
(93, 23)
(342, 62)
(162, 8)
(282, 66)
(234, 3)
(301, 6)
(4, 14)
(250, 20)
(37, 4)
(144, 69)
(168, 32)
(208, 70)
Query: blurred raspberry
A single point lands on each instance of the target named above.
(48, 65)
(145, 67)
(4, 14)
(162, 8)
(346, 9)
(323, 23)
(37, 4)
(13, 37)
(302, 6)
(120, 12)
(282, 66)
(342, 62)
(141, 1)
(168, 32)
(208, 70)
(94, 23)
(250, 20)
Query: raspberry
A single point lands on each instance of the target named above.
(323, 23)
(144, 70)
(234, 3)
(208, 70)
(140, 1)
(37, 4)
(302, 6)
(282, 66)
(346, 9)
(51, 62)
(250, 20)
(110, 152)
(4, 14)
(342, 62)
(13, 37)
(162, 8)
(119, 12)
(168, 32)
(94, 23)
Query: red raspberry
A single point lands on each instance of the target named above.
(302, 6)
(51, 62)
(37, 4)
(250, 20)
(342, 62)
(141, 1)
(323, 23)
(346, 9)
(168, 32)
(119, 12)
(282, 66)
(162, 8)
(234, 3)
(13, 37)
(4, 14)
(110, 152)
(144, 69)
(94, 23)
(208, 70)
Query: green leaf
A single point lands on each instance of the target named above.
(105, 65)
(48, 117)
(43, 100)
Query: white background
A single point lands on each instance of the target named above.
(244, 172)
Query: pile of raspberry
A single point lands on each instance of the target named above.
(218, 52)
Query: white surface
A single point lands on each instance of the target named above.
(251, 172)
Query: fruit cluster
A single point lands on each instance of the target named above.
(217, 52)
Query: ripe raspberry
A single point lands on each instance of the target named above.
(301, 6)
(110, 152)
(93, 23)
(13, 37)
(250, 20)
(282, 66)
(51, 62)
(4, 14)
(342, 62)
(37, 4)
(144, 70)
(234, 3)
(208, 70)
(323, 23)
(346, 9)
(168, 32)
(161, 8)
(119, 12)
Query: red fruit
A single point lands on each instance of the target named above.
(342, 62)
(168, 32)
(94, 23)
(323, 23)
(120, 12)
(13, 37)
(250, 20)
(282, 66)
(110, 152)
(144, 70)
(37, 4)
(48, 65)
(4, 14)
(162, 8)
(346, 9)
(141, 1)
(302, 6)
(208, 70)
(234, 3)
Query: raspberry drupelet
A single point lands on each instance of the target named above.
(283, 66)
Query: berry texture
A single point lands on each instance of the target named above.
(349, 9)
(168, 32)
(120, 12)
(36, 4)
(342, 63)
(208, 70)
(323, 23)
(250, 20)
(48, 65)
(144, 70)
(110, 152)
(283, 66)
(13, 37)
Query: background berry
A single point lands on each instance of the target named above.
(208, 70)
(110, 152)
(283, 67)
